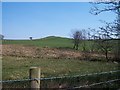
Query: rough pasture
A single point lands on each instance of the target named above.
(39, 52)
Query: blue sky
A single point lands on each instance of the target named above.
(20, 20)
(0, 17)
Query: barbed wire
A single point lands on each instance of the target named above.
(10, 81)
(51, 78)
(80, 75)
(94, 84)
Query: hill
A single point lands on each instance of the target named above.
(51, 41)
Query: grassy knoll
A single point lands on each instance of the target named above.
(18, 67)
(52, 41)
(44, 42)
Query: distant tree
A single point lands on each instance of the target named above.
(1, 37)
(30, 38)
(77, 37)
(85, 50)
(89, 35)
(92, 36)
(84, 38)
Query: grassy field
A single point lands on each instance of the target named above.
(18, 67)
(44, 42)
(52, 42)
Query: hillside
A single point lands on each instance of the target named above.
(50, 41)
(49, 47)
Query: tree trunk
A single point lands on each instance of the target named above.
(106, 54)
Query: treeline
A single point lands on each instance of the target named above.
(101, 43)
(107, 38)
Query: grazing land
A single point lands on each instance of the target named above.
(44, 42)
(54, 55)
(51, 41)
(18, 67)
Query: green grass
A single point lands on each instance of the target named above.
(18, 67)
(52, 42)
(44, 42)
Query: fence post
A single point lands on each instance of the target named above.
(35, 74)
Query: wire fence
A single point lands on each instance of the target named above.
(94, 84)
(104, 79)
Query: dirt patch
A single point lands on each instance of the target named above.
(18, 50)
(31, 51)
(37, 52)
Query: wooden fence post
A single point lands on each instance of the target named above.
(35, 74)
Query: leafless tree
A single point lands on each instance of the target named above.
(84, 38)
(93, 35)
(30, 38)
(110, 5)
(104, 41)
(77, 37)
(1, 37)
(89, 35)
(117, 43)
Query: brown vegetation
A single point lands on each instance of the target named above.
(37, 52)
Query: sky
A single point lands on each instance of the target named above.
(0, 17)
(21, 20)
(47, 0)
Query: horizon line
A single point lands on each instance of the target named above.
(33, 38)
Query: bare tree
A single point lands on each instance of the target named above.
(77, 36)
(84, 37)
(85, 50)
(30, 38)
(117, 44)
(104, 41)
(93, 35)
(89, 35)
(1, 37)
(110, 5)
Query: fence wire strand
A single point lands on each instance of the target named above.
(94, 84)
(52, 78)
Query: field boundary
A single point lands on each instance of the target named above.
(53, 78)
(94, 84)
